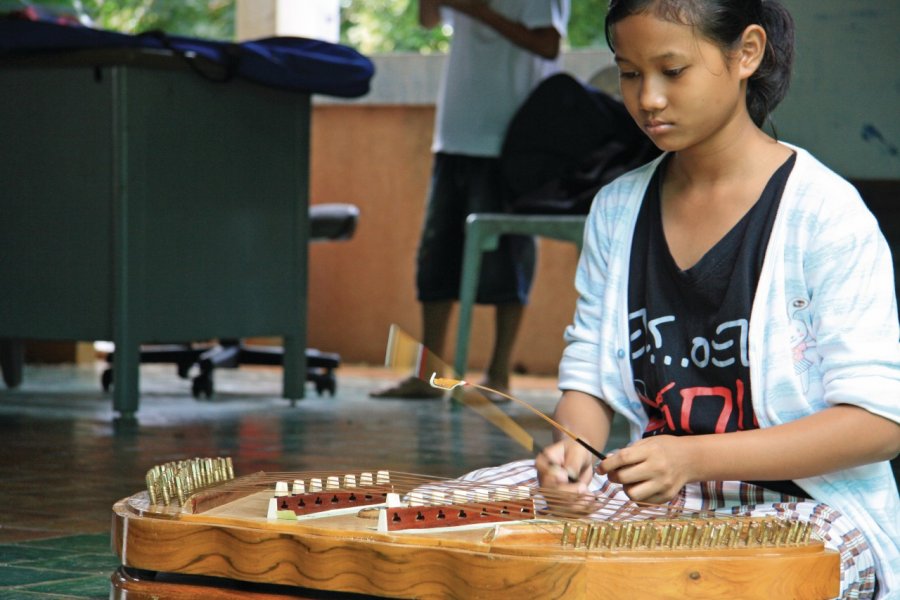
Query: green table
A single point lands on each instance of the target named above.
(144, 203)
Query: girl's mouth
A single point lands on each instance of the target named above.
(656, 126)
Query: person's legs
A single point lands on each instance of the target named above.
(506, 275)
(435, 322)
(438, 262)
(508, 317)
(461, 185)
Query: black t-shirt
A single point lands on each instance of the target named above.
(689, 327)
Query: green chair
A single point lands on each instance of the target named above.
(483, 231)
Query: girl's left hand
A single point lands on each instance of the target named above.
(651, 470)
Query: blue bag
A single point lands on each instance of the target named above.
(290, 63)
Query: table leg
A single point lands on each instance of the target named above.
(12, 361)
(294, 369)
(126, 388)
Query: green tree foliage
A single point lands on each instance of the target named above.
(376, 26)
(371, 26)
(586, 24)
(212, 19)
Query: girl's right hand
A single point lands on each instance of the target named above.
(565, 466)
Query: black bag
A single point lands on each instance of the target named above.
(564, 143)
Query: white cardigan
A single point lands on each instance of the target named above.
(823, 329)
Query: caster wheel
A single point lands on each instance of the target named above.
(184, 368)
(326, 383)
(202, 386)
(106, 379)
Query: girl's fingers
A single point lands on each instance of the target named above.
(560, 474)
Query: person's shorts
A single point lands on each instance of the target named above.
(461, 185)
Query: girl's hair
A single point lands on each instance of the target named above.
(722, 22)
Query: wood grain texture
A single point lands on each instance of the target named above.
(345, 553)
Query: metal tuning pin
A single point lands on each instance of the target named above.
(174, 482)
(685, 534)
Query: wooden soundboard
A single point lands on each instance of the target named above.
(226, 534)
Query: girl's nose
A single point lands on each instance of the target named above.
(651, 97)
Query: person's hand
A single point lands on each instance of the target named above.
(567, 468)
(564, 466)
(651, 470)
(468, 7)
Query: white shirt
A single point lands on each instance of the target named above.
(487, 77)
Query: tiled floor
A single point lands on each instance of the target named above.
(64, 566)
(65, 459)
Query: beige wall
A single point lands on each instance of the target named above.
(378, 157)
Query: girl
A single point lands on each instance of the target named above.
(736, 303)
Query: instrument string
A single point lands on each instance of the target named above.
(528, 514)
(505, 497)
(425, 488)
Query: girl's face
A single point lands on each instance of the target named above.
(677, 86)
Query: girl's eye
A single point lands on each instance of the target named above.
(673, 72)
(627, 74)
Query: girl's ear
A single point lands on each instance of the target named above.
(751, 51)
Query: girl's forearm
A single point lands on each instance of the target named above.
(543, 41)
(836, 438)
(586, 416)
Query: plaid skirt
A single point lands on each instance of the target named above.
(731, 498)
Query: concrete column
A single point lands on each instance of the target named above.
(316, 19)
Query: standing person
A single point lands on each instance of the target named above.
(736, 304)
(501, 49)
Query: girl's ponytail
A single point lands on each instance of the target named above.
(768, 86)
